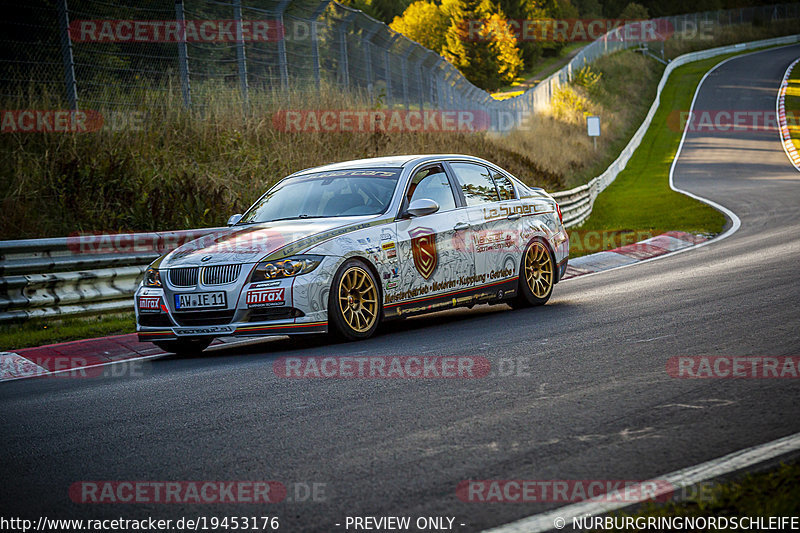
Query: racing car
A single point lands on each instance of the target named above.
(340, 248)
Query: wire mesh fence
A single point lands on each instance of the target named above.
(96, 54)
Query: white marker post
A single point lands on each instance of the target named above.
(593, 128)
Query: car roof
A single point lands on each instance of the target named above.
(394, 161)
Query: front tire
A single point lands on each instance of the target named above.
(354, 302)
(536, 275)
(184, 346)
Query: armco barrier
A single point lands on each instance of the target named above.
(63, 276)
(78, 275)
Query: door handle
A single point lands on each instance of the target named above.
(514, 216)
(461, 226)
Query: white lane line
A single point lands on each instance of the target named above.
(735, 222)
(651, 339)
(780, 112)
(671, 483)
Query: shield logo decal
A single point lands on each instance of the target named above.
(423, 249)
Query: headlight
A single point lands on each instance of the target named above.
(152, 278)
(285, 268)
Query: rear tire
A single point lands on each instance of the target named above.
(354, 302)
(184, 346)
(536, 275)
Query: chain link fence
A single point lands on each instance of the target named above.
(96, 54)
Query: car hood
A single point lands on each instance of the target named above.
(252, 243)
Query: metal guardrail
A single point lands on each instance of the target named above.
(88, 274)
(92, 275)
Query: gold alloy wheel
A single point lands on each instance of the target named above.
(538, 270)
(358, 299)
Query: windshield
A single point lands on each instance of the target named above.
(337, 193)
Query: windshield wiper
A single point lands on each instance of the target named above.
(303, 216)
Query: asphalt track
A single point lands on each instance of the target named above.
(597, 402)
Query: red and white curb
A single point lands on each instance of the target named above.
(783, 126)
(632, 253)
(84, 358)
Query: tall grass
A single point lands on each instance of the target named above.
(164, 167)
(619, 88)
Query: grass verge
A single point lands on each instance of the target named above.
(775, 492)
(38, 332)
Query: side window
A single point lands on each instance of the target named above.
(476, 182)
(505, 186)
(432, 183)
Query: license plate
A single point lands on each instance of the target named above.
(200, 300)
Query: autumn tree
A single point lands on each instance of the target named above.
(424, 22)
(473, 35)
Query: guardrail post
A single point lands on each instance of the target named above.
(315, 53)
(420, 84)
(441, 88)
(283, 67)
(343, 64)
(66, 56)
(315, 42)
(366, 40)
(183, 57)
(240, 52)
(405, 76)
(387, 70)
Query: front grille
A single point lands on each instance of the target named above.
(154, 320)
(221, 274)
(183, 277)
(203, 318)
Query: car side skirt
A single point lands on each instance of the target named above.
(491, 293)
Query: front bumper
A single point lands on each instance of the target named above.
(290, 306)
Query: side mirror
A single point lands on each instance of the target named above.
(422, 207)
(234, 219)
